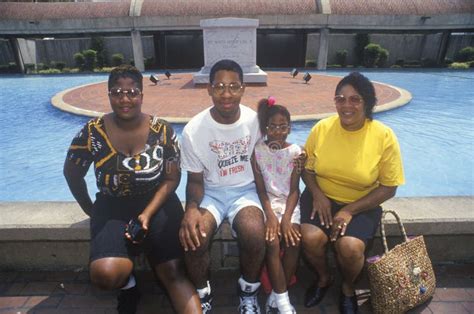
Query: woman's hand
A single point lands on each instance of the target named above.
(291, 235)
(144, 221)
(322, 206)
(272, 227)
(340, 222)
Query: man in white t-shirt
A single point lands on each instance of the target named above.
(216, 147)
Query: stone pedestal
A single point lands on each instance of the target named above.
(231, 38)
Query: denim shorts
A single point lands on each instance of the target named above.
(226, 202)
(110, 216)
(362, 226)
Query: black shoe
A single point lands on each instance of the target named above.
(314, 295)
(127, 300)
(348, 305)
(206, 304)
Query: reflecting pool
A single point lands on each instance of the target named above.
(436, 133)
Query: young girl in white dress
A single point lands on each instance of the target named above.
(277, 180)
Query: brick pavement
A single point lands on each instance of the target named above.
(178, 98)
(71, 292)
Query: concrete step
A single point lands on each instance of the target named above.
(55, 235)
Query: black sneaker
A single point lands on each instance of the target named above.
(248, 302)
(206, 304)
(127, 300)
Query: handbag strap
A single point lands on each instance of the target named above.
(382, 228)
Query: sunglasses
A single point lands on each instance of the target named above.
(353, 100)
(118, 92)
(220, 88)
(274, 127)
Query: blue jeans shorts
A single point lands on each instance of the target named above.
(226, 202)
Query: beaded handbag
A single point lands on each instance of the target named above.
(403, 277)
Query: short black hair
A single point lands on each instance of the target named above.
(226, 65)
(266, 111)
(125, 71)
(364, 87)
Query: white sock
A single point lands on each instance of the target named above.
(131, 283)
(282, 301)
(204, 291)
(247, 286)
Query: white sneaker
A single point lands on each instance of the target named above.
(248, 302)
(287, 309)
(271, 306)
(206, 304)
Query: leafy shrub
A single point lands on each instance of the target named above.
(97, 44)
(71, 70)
(412, 64)
(30, 67)
(117, 59)
(362, 40)
(90, 58)
(79, 60)
(400, 62)
(42, 66)
(310, 63)
(371, 54)
(49, 71)
(459, 65)
(395, 66)
(149, 62)
(465, 54)
(334, 66)
(103, 70)
(60, 65)
(341, 57)
(383, 57)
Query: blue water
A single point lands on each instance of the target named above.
(436, 134)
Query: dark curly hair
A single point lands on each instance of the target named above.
(364, 87)
(226, 65)
(265, 112)
(125, 71)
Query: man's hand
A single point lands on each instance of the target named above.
(191, 229)
(272, 228)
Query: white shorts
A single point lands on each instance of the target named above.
(279, 207)
(226, 202)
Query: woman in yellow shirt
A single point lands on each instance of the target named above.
(354, 165)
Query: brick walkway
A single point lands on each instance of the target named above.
(177, 98)
(71, 292)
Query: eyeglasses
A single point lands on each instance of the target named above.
(118, 92)
(220, 88)
(353, 100)
(274, 127)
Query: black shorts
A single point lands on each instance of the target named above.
(362, 226)
(111, 214)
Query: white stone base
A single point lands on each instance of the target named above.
(259, 77)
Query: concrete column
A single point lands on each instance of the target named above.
(138, 50)
(443, 47)
(17, 53)
(323, 48)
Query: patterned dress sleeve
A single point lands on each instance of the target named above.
(80, 150)
(171, 146)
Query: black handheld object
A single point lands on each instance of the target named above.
(135, 230)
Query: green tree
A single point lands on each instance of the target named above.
(383, 57)
(362, 40)
(465, 54)
(79, 60)
(117, 59)
(341, 57)
(97, 44)
(90, 57)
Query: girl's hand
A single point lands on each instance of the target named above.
(272, 228)
(340, 222)
(322, 207)
(291, 235)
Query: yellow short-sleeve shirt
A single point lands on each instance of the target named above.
(350, 164)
